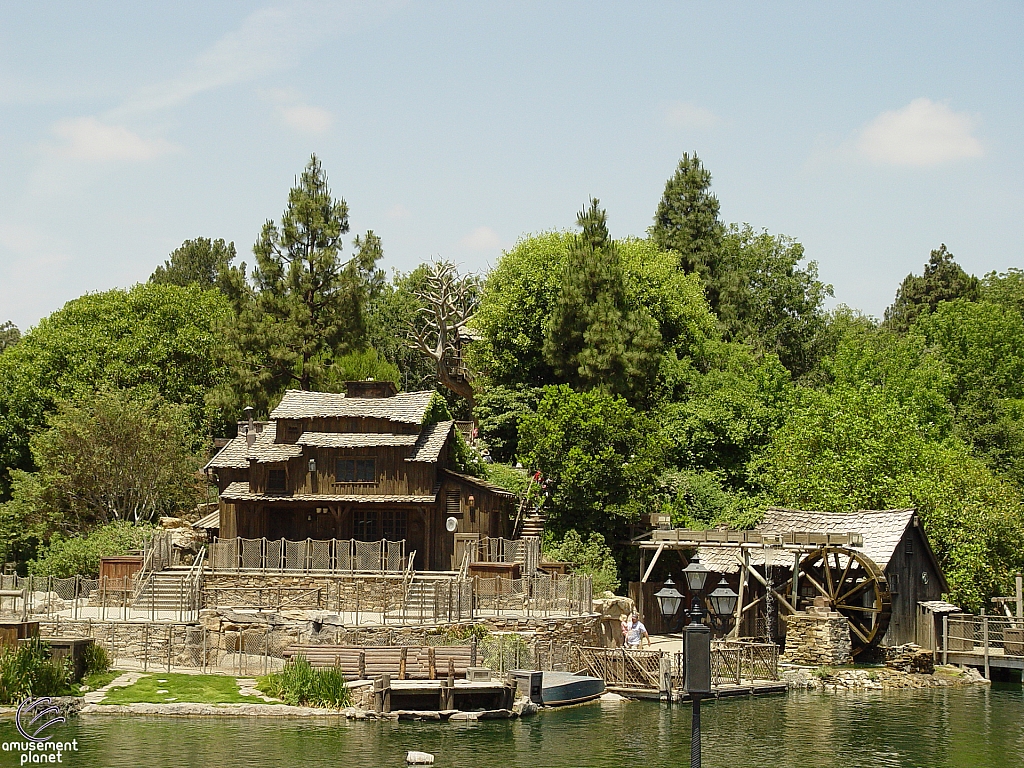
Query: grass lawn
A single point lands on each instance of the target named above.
(97, 680)
(169, 688)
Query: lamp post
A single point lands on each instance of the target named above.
(696, 654)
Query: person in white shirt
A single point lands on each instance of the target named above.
(636, 632)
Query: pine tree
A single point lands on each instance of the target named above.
(201, 261)
(304, 305)
(594, 339)
(943, 280)
(687, 222)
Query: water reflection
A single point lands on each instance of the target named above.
(933, 728)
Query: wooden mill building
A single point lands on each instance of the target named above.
(359, 465)
(893, 539)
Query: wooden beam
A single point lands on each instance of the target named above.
(654, 560)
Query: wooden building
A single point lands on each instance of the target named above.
(893, 539)
(360, 465)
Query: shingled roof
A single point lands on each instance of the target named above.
(882, 531)
(405, 407)
(355, 439)
(236, 455)
(430, 442)
(240, 492)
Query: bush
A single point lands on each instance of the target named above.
(97, 660)
(64, 557)
(299, 684)
(592, 557)
(28, 670)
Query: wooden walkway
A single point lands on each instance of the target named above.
(982, 641)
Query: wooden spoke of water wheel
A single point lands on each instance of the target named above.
(854, 585)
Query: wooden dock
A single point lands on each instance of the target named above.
(726, 691)
(983, 642)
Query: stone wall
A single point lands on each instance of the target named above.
(817, 638)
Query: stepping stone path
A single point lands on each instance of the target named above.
(247, 687)
(121, 681)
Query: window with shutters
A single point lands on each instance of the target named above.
(454, 501)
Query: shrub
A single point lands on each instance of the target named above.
(592, 557)
(460, 633)
(28, 670)
(97, 660)
(64, 557)
(299, 684)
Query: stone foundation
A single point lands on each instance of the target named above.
(817, 638)
(910, 658)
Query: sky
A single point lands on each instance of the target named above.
(870, 132)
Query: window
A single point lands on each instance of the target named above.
(373, 525)
(355, 471)
(894, 583)
(277, 481)
(908, 547)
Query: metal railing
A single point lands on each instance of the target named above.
(308, 555)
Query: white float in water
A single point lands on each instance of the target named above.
(419, 758)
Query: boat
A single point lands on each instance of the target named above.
(557, 689)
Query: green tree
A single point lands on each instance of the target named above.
(591, 556)
(9, 335)
(155, 337)
(391, 309)
(686, 221)
(202, 261)
(982, 344)
(1005, 288)
(600, 457)
(856, 448)
(768, 300)
(943, 280)
(117, 456)
(304, 305)
(594, 339)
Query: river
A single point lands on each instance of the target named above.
(974, 727)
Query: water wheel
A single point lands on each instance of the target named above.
(852, 584)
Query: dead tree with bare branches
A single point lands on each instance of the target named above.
(447, 304)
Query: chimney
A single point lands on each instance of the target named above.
(250, 429)
(370, 388)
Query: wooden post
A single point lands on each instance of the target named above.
(945, 638)
(472, 651)
(362, 665)
(1020, 596)
(737, 628)
(984, 635)
(401, 663)
(665, 677)
(431, 663)
(796, 578)
(451, 671)
(385, 681)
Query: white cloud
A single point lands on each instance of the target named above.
(87, 138)
(923, 133)
(683, 114)
(481, 239)
(306, 118)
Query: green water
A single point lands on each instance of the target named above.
(959, 728)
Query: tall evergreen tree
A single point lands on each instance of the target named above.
(9, 335)
(201, 261)
(594, 338)
(687, 222)
(943, 280)
(304, 305)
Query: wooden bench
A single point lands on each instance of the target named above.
(405, 662)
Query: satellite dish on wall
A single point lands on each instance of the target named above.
(451, 524)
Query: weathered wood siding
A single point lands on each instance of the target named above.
(908, 563)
